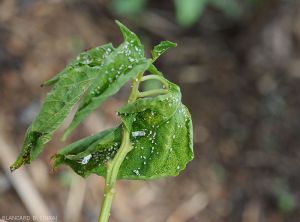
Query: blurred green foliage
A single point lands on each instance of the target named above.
(286, 201)
(127, 8)
(284, 198)
(187, 11)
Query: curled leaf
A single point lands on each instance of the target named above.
(90, 58)
(163, 150)
(57, 105)
(119, 67)
(90, 154)
(156, 126)
(161, 135)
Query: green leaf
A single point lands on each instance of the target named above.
(165, 149)
(57, 105)
(85, 155)
(161, 48)
(161, 134)
(90, 58)
(119, 67)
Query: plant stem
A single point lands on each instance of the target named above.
(135, 88)
(112, 173)
(114, 166)
(156, 77)
(152, 92)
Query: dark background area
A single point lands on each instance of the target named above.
(238, 69)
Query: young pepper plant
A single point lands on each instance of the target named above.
(154, 138)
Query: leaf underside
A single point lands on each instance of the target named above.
(160, 126)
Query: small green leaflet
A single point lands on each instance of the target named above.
(161, 48)
(161, 135)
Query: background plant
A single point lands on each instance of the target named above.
(187, 11)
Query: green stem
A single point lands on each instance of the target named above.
(156, 77)
(152, 92)
(112, 173)
(114, 166)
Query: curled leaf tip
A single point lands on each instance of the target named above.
(171, 44)
(119, 24)
(17, 164)
(12, 169)
(53, 170)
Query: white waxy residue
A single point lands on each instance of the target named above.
(138, 133)
(137, 172)
(86, 159)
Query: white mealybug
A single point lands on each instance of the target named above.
(86, 159)
(138, 133)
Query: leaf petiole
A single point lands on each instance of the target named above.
(152, 92)
(155, 77)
